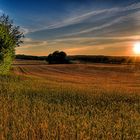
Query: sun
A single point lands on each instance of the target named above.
(136, 48)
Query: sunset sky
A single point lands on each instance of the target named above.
(90, 27)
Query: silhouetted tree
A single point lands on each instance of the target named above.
(10, 37)
(57, 58)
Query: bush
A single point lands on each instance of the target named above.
(58, 58)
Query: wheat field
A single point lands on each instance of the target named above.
(70, 102)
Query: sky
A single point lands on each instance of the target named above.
(78, 27)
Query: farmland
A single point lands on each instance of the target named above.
(70, 102)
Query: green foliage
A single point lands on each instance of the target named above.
(10, 37)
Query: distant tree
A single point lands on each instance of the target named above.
(10, 37)
(57, 58)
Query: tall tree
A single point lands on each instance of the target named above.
(10, 38)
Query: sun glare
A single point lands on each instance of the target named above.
(136, 48)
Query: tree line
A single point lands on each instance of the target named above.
(60, 57)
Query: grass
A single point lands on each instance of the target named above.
(69, 103)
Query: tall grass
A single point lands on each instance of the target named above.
(37, 109)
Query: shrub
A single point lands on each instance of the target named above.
(58, 58)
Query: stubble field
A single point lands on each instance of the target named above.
(70, 102)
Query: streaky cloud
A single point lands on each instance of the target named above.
(105, 25)
(85, 16)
